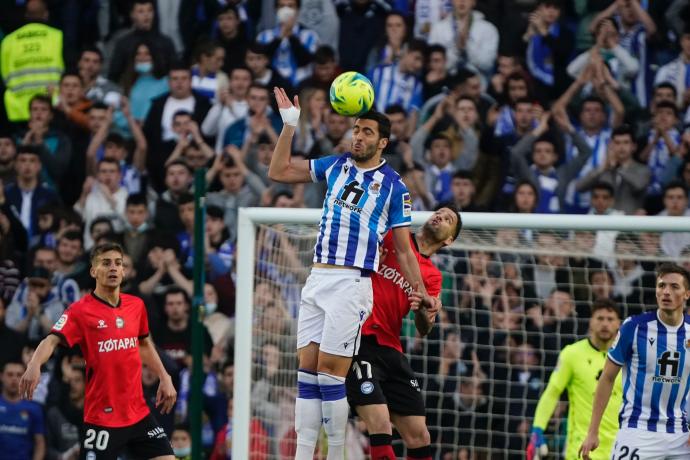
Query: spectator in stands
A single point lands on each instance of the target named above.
(549, 45)
(470, 40)
(8, 153)
(506, 65)
(241, 188)
(11, 341)
(207, 77)
(137, 235)
(463, 191)
(311, 126)
(230, 106)
(65, 289)
(64, 421)
(24, 434)
(27, 195)
(517, 88)
(550, 180)
(436, 75)
(97, 88)
(143, 80)
(627, 178)
(258, 61)
(70, 251)
(181, 442)
(325, 70)
(259, 442)
(547, 270)
(400, 82)
(142, 14)
(675, 199)
(72, 102)
(178, 180)
(158, 126)
(190, 145)
(34, 309)
(392, 45)
(56, 153)
(231, 36)
(103, 197)
(361, 22)
(633, 288)
(675, 71)
(291, 45)
(259, 119)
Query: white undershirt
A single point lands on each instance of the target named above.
(172, 106)
(25, 212)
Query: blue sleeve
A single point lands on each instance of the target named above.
(262, 37)
(233, 135)
(621, 350)
(37, 423)
(319, 166)
(311, 40)
(400, 212)
(416, 101)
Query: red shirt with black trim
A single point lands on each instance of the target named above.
(109, 340)
(391, 292)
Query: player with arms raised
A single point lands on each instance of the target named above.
(578, 370)
(381, 385)
(652, 349)
(365, 198)
(113, 333)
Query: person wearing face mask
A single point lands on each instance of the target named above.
(143, 80)
(181, 442)
(291, 45)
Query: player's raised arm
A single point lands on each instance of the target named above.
(31, 377)
(601, 399)
(283, 168)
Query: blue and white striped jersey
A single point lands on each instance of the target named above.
(394, 87)
(655, 373)
(360, 206)
(284, 58)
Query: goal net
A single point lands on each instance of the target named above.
(516, 290)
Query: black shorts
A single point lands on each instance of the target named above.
(382, 375)
(144, 439)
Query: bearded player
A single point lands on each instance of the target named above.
(579, 367)
(381, 385)
(113, 333)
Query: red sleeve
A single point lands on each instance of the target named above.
(67, 328)
(143, 321)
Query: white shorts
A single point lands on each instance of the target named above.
(634, 444)
(335, 303)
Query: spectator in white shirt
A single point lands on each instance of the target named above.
(230, 106)
(675, 204)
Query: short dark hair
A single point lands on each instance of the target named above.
(141, 2)
(605, 304)
(205, 48)
(13, 362)
(595, 99)
(111, 161)
(100, 220)
(258, 48)
(42, 98)
(136, 199)
(324, 54)
(228, 8)
(382, 120)
(667, 105)
(548, 138)
(415, 45)
(179, 67)
(286, 193)
(91, 49)
(29, 149)
(103, 248)
(395, 108)
(464, 174)
(71, 74)
(174, 290)
(185, 198)
(436, 48)
(261, 86)
(604, 186)
(115, 138)
(666, 85)
(676, 184)
(623, 130)
(98, 105)
(179, 163)
(554, 3)
(182, 113)
(666, 268)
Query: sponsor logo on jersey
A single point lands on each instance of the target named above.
(156, 432)
(119, 322)
(395, 277)
(367, 388)
(106, 346)
(101, 324)
(407, 204)
(350, 197)
(60, 323)
(91, 455)
(108, 410)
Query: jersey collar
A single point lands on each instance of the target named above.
(362, 170)
(589, 341)
(105, 302)
(416, 246)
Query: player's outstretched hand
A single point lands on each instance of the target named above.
(288, 112)
(166, 395)
(29, 382)
(591, 443)
(537, 448)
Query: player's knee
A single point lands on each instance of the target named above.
(417, 437)
(378, 423)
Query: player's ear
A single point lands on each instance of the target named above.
(383, 142)
(92, 271)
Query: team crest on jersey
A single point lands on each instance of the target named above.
(24, 415)
(687, 343)
(101, 324)
(119, 322)
(375, 188)
(367, 388)
(60, 323)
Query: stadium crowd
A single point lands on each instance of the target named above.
(524, 106)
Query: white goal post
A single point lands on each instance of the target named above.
(250, 218)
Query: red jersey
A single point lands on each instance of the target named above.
(391, 292)
(109, 340)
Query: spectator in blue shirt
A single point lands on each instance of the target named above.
(21, 422)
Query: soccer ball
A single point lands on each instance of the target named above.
(351, 94)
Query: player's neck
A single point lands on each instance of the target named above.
(601, 345)
(425, 244)
(370, 163)
(10, 398)
(673, 318)
(112, 296)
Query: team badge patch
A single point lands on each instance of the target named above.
(60, 323)
(375, 188)
(687, 343)
(119, 322)
(367, 388)
(407, 205)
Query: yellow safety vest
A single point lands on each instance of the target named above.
(31, 59)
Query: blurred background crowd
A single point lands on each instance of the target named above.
(525, 106)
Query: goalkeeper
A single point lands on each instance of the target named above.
(578, 370)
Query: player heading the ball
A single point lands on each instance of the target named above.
(112, 331)
(652, 349)
(364, 199)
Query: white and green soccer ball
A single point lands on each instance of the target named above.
(352, 94)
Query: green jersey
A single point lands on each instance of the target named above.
(578, 370)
